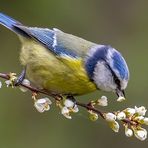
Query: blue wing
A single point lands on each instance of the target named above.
(47, 37)
(58, 42)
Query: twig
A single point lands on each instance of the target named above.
(55, 96)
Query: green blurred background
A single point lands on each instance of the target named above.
(122, 24)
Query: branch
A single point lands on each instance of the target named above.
(55, 96)
(132, 118)
(88, 106)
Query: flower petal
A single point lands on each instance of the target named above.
(8, 83)
(103, 101)
(69, 103)
(110, 117)
(75, 109)
(65, 112)
(114, 126)
(128, 132)
(141, 134)
(140, 110)
(130, 111)
(42, 104)
(121, 116)
(145, 121)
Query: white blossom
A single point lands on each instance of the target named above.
(110, 117)
(128, 132)
(114, 126)
(145, 121)
(25, 82)
(42, 104)
(103, 101)
(75, 109)
(8, 83)
(139, 118)
(66, 112)
(140, 110)
(69, 107)
(69, 103)
(120, 99)
(121, 116)
(141, 134)
(130, 111)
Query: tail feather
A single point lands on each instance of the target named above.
(12, 24)
(8, 22)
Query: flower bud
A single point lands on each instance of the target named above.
(93, 116)
(130, 111)
(103, 101)
(145, 121)
(128, 132)
(141, 134)
(139, 119)
(8, 83)
(25, 82)
(75, 109)
(69, 103)
(121, 116)
(114, 126)
(110, 117)
(65, 112)
(140, 110)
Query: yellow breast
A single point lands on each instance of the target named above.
(62, 75)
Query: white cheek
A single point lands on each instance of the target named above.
(124, 84)
(103, 77)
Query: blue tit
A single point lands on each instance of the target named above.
(65, 64)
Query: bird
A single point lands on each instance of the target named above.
(63, 63)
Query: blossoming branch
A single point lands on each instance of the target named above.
(131, 118)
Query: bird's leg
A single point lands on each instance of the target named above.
(20, 78)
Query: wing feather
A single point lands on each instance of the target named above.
(48, 38)
(58, 42)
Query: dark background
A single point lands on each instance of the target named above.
(122, 24)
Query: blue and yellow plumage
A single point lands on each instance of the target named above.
(65, 64)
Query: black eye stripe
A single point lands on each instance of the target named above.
(117, 81)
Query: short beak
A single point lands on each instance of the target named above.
(120, 93)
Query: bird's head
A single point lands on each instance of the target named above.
(107, 68)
